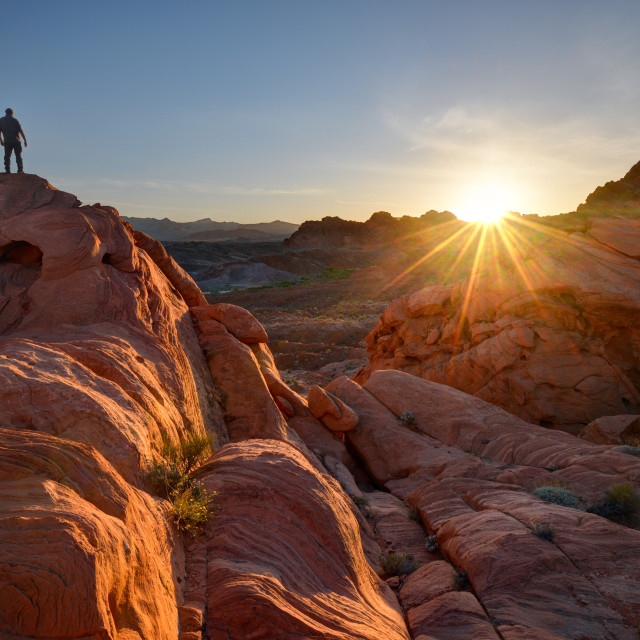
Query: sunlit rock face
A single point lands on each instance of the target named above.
(284, 557)
(550, 330)
(107, 349)
(99, 361)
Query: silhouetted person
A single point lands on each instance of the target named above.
(10, 132)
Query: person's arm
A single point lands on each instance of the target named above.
(23, 137)
(1, 140)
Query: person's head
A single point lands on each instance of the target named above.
(9, 112)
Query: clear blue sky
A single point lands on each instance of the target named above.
(296, 109)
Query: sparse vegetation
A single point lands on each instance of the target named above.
(558, 495)
(191, 508)
(170, 477)
(332, 273)
(629, 450)
(408, 419)
(544, 531)
(397, 564)
(432, 543)
(460, 580)
(621, 504)
(359, 501)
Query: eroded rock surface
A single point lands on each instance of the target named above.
(468, 468)
(285, 558)
(99, 362)
(549, 331)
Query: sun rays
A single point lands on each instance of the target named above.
(509, 252)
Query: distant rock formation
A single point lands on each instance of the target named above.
(549, 330)
(379, 230)
(620, 198)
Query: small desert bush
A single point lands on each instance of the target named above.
(432, 543)
(170, 477)
(629, 450)
(191, 508)
(408, 419)
(543, 531)
(460, 580)
(397, 564)
(558, 495)
(621, 504)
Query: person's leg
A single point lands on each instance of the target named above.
(7, 157)
(17, 147)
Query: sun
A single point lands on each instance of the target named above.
(485, 204)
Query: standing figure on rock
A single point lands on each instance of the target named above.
(10, 132)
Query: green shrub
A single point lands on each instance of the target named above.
(558, 495)
(543, 531)
(460, 580)
(408, 419)
(432, 543)
(397, 565)
(629, 450)
(621, 504)
(191, 508)
(190, 503)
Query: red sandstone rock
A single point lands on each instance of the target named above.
(331, 411)
(237, 321)
(99, 361)
(274, 382)
(178, 277)
(480, 505)
(544, 334)
(613, 430)
(82, 552)
(455, 615)
(286, 547)
(248, 415)
(428, 582)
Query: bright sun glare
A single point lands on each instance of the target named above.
(486, 204)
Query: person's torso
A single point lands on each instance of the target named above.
(10, 128)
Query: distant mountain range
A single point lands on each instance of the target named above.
(207, 230)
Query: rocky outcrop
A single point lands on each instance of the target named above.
(619, 198)
(613, 430)
(107, 351)
(468, 469)
(379, 230)
(549, 331)
(99, 362)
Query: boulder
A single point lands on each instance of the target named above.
(613, 430)
(331, 411)
(238, 321)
